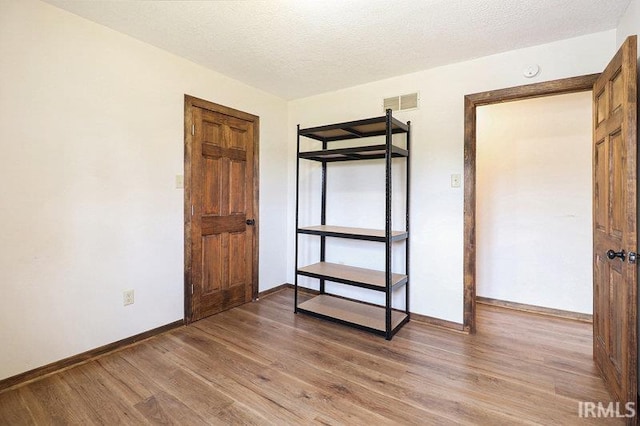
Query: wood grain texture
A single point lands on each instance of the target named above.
(615, 140)
(367, 152)
(535, 90)
(354, 129)
(262, 364)
(469, 218)
(351, 311)
(438, 322)
(345, 230)
(221, 193)
(471, 102)
(189, 104)
(340, 272)
(273, 290)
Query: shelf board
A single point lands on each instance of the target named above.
(351, 275)
(376, 126)
(352, 233)
(370, 317)
(369, 152)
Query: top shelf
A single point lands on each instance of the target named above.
(376, 126)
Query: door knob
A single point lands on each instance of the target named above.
(613, 254)
(250, 222)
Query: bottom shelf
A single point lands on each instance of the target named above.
(362, 315)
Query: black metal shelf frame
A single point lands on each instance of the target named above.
(370, 152)
(370, 329)
(386, 126)
(399, 236)
(397, 280)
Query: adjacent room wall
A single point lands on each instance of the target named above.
(534, 191)
(91, 127)
(437, 209)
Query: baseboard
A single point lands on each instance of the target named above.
(576, 316)
(83, 357)
(273, 290)
(307, 290)
(285, 286)
(440, 323)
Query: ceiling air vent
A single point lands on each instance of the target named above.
(401, 103)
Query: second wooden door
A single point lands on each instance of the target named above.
(223, 256)
(614, 233)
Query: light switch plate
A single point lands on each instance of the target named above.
(179, 181)
(455, 181)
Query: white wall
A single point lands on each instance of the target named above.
(533, 223)
(437, 209)
(91, 127)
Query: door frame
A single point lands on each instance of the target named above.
(191, 102)
(471, 102)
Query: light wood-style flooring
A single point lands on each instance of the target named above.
(262, 364)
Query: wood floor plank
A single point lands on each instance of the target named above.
(457, 348)
(262, 364)
(102, 405)
(52, 401)
(465, 400)
(13, 411)
(546, 384)
(194, 397)
(324, 378)
(132, 384)
(163, 408)
(287, 399)
(336, 360)
(336, 366)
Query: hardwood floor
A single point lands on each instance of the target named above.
(261, 364)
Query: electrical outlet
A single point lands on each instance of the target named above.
(127, 297)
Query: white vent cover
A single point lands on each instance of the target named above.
(401, 103)
(391, 103)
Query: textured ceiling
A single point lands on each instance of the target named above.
(297, 48)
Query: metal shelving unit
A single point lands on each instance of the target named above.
(380, 319)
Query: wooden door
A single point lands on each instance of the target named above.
(223, 207)
(614, 205)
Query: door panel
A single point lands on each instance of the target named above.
(237, 198)
(222, 250)
(212, 265)
(616, 198)
(237, 262)
(615, 227)
(600, 188)
(212, 186)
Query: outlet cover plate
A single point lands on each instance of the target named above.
(127, 297)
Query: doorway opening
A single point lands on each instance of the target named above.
(534, 205)
(615, 243)
(472, 102)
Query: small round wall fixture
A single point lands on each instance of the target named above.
(531, 70)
